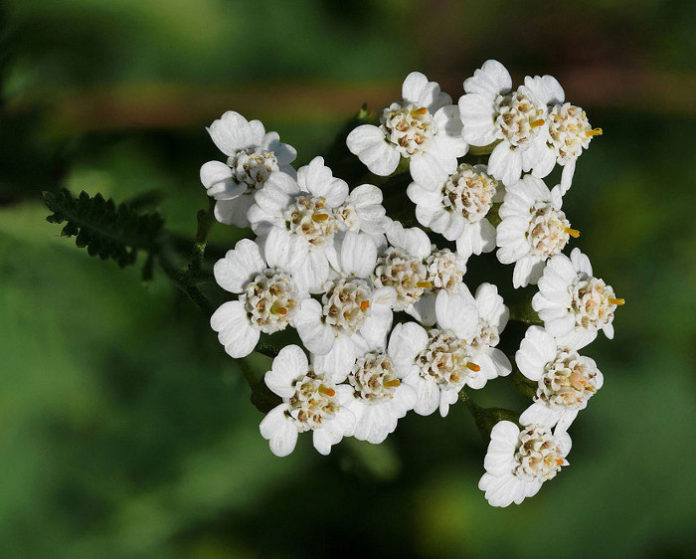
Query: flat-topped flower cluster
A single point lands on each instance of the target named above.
(386, 322)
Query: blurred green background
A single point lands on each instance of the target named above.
(126, 432)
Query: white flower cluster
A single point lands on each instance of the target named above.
(329, 263)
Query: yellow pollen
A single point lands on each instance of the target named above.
(320, 217)
(473, 366)
(594, 132)
(537, 123)
(392, 383)
(424, 284)
(420, 111)
(559, 461)
(277, 309)
(364, 305)
(617, 302)
(328, 391)
(572, 232)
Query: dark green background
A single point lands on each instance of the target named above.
(126, 432)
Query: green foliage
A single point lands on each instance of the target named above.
(105, 229)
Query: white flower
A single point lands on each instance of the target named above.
(311, 402)
(253, 154)
(533, 229)
(491, 112)
(424, 128)
(566, 379)
(442, 357)
(305, 208)
(268, 299)
(352, 316)
(569, 130)
(380, 398)
(362, 211)
(458, 207)
(573, 304)
(519, 462)
(493, 316)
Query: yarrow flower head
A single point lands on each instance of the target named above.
(311, 402)
(566, 379)
(569, 130)
(380, 396)
(573, 304)
(352, 316)
(253, 154)
(491, 112)
(423, 128)
(492, 319)
(269, 297)
(459, 206)
(518, 461)
(439, 360)
(532, 230)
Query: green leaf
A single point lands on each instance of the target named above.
(105, 229)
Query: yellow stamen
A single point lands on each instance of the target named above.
(392, 383)
(424, 284)
(572, 232)
(320, 203)
(537, 123)
(559, 461)
(420, 111)
(364, 305)
(325, 390)
(617, 302)
(277, 309)
(594, 132)
(473, 366)
(320, 217)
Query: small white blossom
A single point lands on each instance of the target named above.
(493, 316)
(533, 228)
(442, 356)
(305, 208)
(380, 398)
(311, 402)
(519, 462)
(566, 379)
(352, 316)
(253, 154)
(424, 128)
(574, 304)
(458, 207)
(268, 299)
(568, 127)
(491, 112)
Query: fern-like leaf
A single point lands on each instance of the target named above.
(105, 229)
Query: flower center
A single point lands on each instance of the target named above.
(519, 119)
(487, 336)
(593, 303)
(408, 127)
(538, 455)
(446, 359)
(373, 377)
(570, 131)
(346, 215)
(308, 218)
(549, 230)
(443, 271)
(469, 193)
(270, 300)
(568, 381)
(406, 274)
(252, 166)
(346, 304)
(313, 402)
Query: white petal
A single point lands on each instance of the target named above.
(279, 430)
(358, 254)
(217, 179)
(317, 179)
(536, 350)
(457, 312)
(316, 336)
(313, 271)
(539, 414)
(428, 170)
(234, 212)
(239, 266)
(528, 270)
(231, 132)
(234, 331)
(283, 250)
(406, 341)
(491, 80)
(337, 363)
(289, 365)
(368, 143)
(478, 119)
(505, 164)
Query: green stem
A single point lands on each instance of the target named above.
(486, 418)
(184, 282)
(205, 220)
